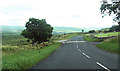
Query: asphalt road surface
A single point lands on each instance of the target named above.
(79, 54)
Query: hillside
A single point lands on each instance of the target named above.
(12, 30)
(59, 30)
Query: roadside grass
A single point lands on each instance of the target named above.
(110, 44)
(92, 39)
(26, 58)
(107, 34)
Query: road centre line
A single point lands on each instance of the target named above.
(103, 66)
(86, 55)
(79, 50)
(89, 57)
(77, 46)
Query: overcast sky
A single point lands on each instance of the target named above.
(67, 13)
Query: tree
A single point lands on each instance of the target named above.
(114, 28)
(37, 31)
(111, 7)
(92, 31)
(82, 30)
(99, 31)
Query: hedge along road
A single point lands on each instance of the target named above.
(79, 54)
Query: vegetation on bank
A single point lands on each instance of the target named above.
(92, 39)
(110, 44)
(26, 58)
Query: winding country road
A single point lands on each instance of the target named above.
(79, 54)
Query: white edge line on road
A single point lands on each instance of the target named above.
(86, 55)
(102, 66)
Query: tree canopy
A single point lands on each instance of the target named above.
(111, 7)
(92, 31)
(37, 31)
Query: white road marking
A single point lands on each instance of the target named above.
(79, 50)
(74, 41)
(77, 46)
(86, 55)
(102, 66)
(89, 56)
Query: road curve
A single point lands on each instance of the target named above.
(79, 54)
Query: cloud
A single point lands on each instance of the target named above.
(70, 13)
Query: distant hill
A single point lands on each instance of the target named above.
(67, 29)
(103, 29)
(12, 30)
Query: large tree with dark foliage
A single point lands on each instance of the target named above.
(92, 31)
(37, 31)
(111, 7)
(114, 28)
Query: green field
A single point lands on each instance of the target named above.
(13, 40)
(107, 34)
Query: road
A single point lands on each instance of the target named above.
(79, 54)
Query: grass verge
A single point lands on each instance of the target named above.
(92, 39)
(110, 45)
(27, 58)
